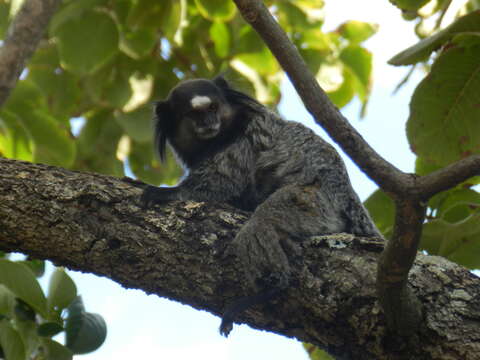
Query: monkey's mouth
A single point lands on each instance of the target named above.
(208, 131)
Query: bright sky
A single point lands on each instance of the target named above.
(147, 327)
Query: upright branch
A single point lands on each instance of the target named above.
(409, 191)
(22, 39)
(316, 100)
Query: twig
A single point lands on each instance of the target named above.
(448, 177)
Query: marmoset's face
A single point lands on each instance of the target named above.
(201, 109)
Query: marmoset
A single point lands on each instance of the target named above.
(239, 152)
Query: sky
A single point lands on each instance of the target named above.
(147, 327)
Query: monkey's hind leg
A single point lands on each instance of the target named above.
(275, 229)
(265, 268)
(243, 304)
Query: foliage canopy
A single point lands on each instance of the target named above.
(103, 63)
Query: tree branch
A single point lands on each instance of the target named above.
(448, 177)
(317, 102)
(22, 39)
(92, 223)
(408, 191)
(402, 310)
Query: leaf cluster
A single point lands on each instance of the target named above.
(103, 63)
(442, 128)
(29, 318)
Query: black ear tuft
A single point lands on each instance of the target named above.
(220, 81)
(164, 120)
(237, 97)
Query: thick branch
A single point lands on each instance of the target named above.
(92, 223)
(22, 39)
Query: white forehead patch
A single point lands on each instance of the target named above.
(200, 101)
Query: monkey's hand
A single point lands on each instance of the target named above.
(158, 195)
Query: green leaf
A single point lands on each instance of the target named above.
(295, 18)
(458, 242)
(382, 209)
(138, 123)
(466, 39)
(61, 290)
(46, 56)
(98, 85)
(424, 167)
(37, 266)
(359, 61)
(357, 31)
(313, 57)
(117, 91)
(220, 36)
(88, 42)
(28, 333)
(318, 40)
(175, 22)
(306, 5)
(60, 88)
(262, 62)
(139, 43)
(53, 145)
(52, 142)
(24, 312)
(253, 53)
(316, 353)
(443, 125)
(100, 135)
(56, 351)
(85, 331)
(70, 11)
(458, 205)
(422, 50)
(154, 14)
(11, 342)
(25, 94)
(49, 329)
(343, 94)
(7, 302)
(15, 141)
(410, 5)
(216, 10)
(329, 75)
(146, 167)
(19, 279)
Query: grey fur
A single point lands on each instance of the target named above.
(295, 180)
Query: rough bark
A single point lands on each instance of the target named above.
(93, 223)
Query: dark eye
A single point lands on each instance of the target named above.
(213, 107)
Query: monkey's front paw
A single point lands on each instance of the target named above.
(156, 195)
